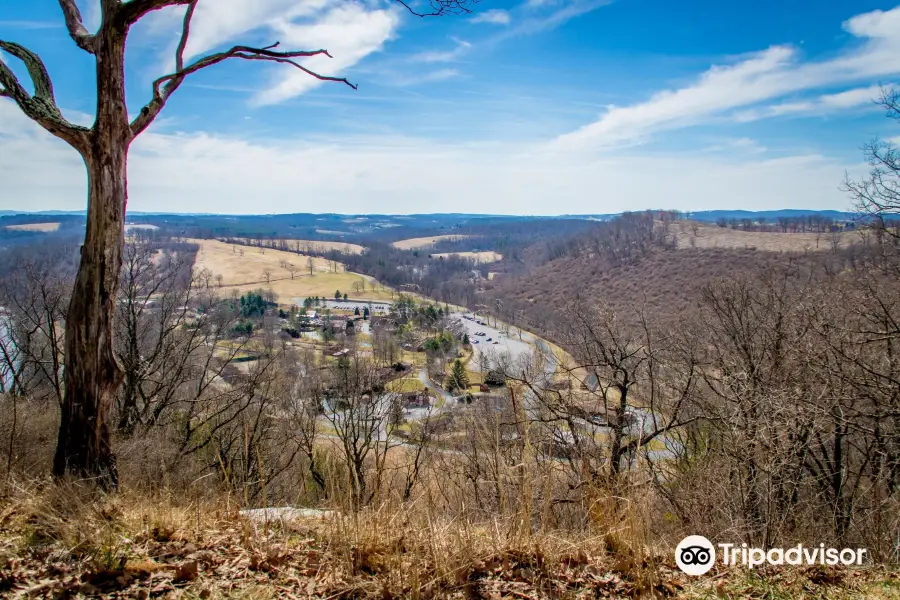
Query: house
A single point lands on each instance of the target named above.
(418, 399)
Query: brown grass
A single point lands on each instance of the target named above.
(41, 227)
(712, 236)
(426, 242)
(244, 273)
(60, 541)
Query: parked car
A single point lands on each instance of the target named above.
(496, 342)
(474, 341)
(488, 340)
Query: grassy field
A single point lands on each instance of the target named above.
(425, 242)
(246, 272)
(479, 257)
(42, 227)
(405, 385)
(690, 234)
(320, 246)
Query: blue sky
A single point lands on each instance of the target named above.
(532, 107)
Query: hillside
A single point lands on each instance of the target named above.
(246, 268)
(666, 278)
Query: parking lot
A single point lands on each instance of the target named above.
(512, 347)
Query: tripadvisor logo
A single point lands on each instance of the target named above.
(696, 555)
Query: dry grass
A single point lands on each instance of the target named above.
(41, 227)
(426, 242)
(246, 272)
(713, 236)
(59, 541)
(319, 246)
(478, 257)
(405, 385)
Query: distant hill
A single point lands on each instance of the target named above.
(769, 215)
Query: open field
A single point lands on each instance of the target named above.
(246, 272)
(690, 234)
(321, 246)
(425, 242)
(479, 257)
(42, 227)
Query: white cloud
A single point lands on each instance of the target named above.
(433, 56)
(203, 172)
(494, 16)
(755, 79)
(535, 4)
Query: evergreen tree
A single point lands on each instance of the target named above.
(459, 379)
(366, 313)
(337, 294)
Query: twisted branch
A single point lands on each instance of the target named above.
(83, 39)
(40, 107)
(165, 86)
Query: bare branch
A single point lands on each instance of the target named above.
(166, 85)
(185, 33)
(83, 39)
(442, 7)
(41, 107)
(132, 12)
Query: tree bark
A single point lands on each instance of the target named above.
(92, 372)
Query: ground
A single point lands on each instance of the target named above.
(245, 272)
(479, 257)
(425, 242)
(321, 246)
(42, 227)
(56, 544)
(712, 236)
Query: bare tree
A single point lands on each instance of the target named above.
(267, 275)
(290, 268)
(360, 413)
(309, 265)
(878, 197)
(92, 372)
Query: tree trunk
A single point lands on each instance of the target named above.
(92, 372)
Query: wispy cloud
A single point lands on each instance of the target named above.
(494, 16)
(755, 79)
(816, 106)
(434, 56)
(405, 80)
(545, 22)
(31, 24)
